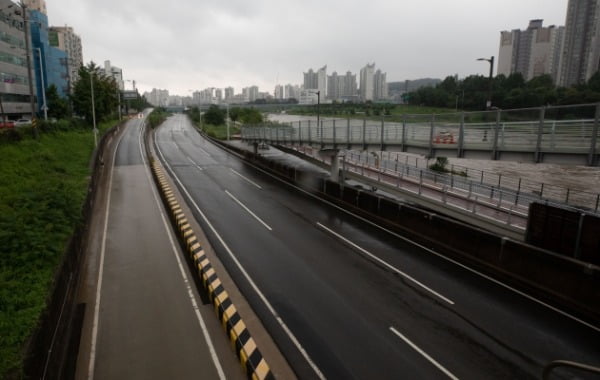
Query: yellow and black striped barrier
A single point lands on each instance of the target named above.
(245, 347)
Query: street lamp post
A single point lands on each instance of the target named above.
(93, 109)
(227, 121)
(488, 104)
(318, 112)
(44, 105)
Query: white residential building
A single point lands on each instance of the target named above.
(115, 73)
(531, 52)
(316, 81)
(380, 87)
(367, 85)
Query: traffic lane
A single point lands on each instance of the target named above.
(148, 326)
(128, 151)
(403, 304)
(511, 319)
(304, 301)
(503, 329)
(264, 207)
(216, 206)
(496, 314)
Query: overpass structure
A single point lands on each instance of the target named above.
(563, 134)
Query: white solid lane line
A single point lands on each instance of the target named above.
(263, 298)
(386, 264)
(246, 179)
(184, 277)
(249, 211)
(194, 163)
(423, 353)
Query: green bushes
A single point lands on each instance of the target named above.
(157, 117)
(43, 184)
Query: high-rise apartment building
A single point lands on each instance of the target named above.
(581, 49)
(278, 93)
(64, 38)
(229, 93)
(367, 86)
(292, 91)
(158, 98)
(316, 80)
(380, 87)
(341, 87)
(531, 52)
(116, 73)
(333, 86)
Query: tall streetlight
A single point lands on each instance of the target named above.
(93, 109)
(44, 106)
(318, 111)
(488, 104)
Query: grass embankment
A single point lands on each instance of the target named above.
(43, 184)
(157, 117)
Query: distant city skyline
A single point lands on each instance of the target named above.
(219, 44)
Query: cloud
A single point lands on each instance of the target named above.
(190, 44)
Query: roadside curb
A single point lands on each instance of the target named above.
(241, 340)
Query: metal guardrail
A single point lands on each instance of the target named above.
(566, 363)
(522, 191)
(562, 129)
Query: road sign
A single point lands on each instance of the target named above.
(130, 95)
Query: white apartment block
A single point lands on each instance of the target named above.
(115, 73)
(367, 85)
(531, 52)
(316, 81)
(229, 93)
(157, 97)
(278, 93)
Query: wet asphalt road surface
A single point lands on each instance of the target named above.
(147, 312)
(361, 303)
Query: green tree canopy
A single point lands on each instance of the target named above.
(57, 107)
(105, 94)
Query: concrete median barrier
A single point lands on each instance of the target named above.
(241, 340)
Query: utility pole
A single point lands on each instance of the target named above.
(93, 110)
(488, 104)
(29, 76)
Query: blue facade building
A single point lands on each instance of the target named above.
(49, 63)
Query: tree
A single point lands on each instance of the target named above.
(57, 106)
(105, 94)
(214, 116)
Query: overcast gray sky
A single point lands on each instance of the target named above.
(188, 45)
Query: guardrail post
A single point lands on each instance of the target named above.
(461, 136)
(496, 133)
(382, 146)
(592, 154)
(321, 131)
(538, 145)
(334, 137)
(364, 131)
(348, 144)
(309, 135)
(300, 132)
(431, 127)
(403, 145)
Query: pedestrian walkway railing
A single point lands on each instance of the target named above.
(566, 130)
(522, 190)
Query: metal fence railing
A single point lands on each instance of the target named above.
(557, 129)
